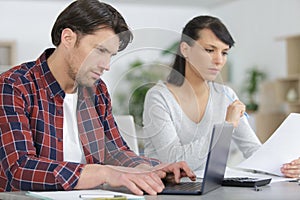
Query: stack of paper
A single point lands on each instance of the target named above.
(282, 147)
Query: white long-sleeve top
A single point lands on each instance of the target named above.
(172, 136)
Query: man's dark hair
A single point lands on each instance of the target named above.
(84, 17)
(190, 34)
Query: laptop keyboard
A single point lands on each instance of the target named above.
(184, 186)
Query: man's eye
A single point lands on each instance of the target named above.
(209, 50)
(101, 50)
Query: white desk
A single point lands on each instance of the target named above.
(279, 190)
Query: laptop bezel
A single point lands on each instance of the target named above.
(221, 136)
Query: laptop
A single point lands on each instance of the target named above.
(215, 167)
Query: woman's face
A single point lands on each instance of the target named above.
(207, 56)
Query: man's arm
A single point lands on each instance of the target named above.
(22, 165)
(117, 152)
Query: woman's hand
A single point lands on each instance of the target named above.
(234, 112)
(292, 169)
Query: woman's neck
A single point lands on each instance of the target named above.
(194, 83)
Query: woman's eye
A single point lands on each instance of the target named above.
(225, 53)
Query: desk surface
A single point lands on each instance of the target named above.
(279, 190)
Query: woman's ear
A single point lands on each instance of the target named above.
(184, 47)
(68, 37)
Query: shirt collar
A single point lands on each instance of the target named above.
(49, 81)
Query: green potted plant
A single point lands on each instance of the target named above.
(141, 78)
(254, 77)
(140, 82)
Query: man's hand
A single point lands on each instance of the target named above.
(173, 172)
(138, 180)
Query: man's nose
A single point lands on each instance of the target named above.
(105, 63)
(106, 67)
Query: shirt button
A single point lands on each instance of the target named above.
(59, 111)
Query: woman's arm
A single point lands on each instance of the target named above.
(244, 136)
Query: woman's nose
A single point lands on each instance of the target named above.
(218, 58)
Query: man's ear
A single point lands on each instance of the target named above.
(68, 37)
(184, 47)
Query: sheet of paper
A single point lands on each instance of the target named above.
(282, 147)
(74, 194)
(231, 172)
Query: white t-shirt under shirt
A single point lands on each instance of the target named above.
(72, 146)
(172, 136)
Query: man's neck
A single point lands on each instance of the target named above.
(59, 68)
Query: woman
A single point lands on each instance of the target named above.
(179, 114)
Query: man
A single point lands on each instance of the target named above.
(57, 131)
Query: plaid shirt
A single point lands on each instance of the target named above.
(31, 130)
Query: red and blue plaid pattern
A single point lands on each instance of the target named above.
(31, 130)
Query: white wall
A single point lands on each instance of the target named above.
(256, 25)
(29, 23)
(154, 29)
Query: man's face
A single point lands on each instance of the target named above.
(92, 55)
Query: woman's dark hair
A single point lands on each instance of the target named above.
(189, 35)
(87, 16)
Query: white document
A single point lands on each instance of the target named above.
(75, 194)
(282, 147)
(231, 172)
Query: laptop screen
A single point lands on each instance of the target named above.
(217, 157)
(215, 165)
